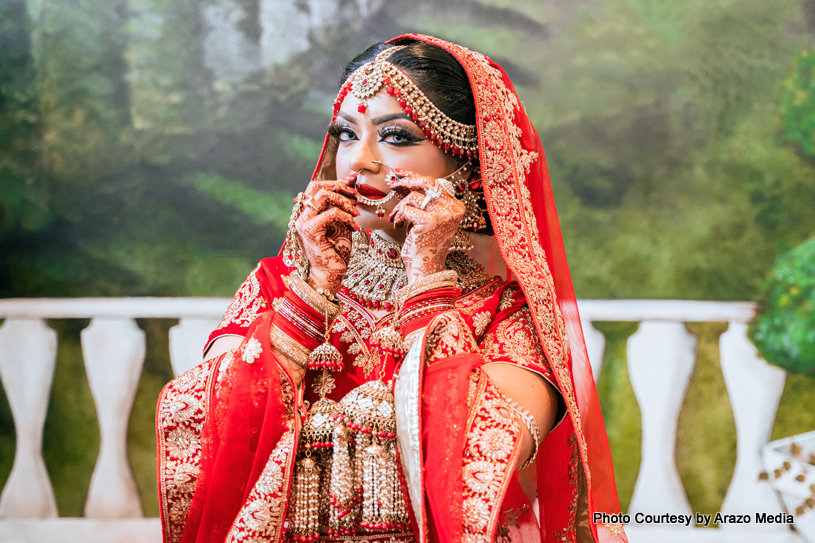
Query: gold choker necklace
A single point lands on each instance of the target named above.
(376, 271)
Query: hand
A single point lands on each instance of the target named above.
(325, 227)
(430, 230)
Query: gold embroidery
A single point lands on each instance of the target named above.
(356, 328)
(514, 340)
(480, 322)
(261, 518)
(247, 304)
(449, 336)
(509, 519)
(182, 409)
(251, 351)
(474, 300)
(490, 453)
(506, 299)
(569, 533)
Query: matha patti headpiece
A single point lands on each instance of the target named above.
(367, 80)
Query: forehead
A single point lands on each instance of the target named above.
(379, 104)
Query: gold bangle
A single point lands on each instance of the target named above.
(316, 301)
(442, 279)
(293, 350)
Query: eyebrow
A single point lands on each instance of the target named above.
(377, 120)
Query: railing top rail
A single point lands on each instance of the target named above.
(137, 307)
(666, 310)
(167, 307)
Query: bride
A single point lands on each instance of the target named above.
(411, 367)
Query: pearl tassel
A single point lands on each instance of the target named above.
(306, 501)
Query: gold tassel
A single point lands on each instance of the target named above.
(325, 356)
(306, 526)
(341, 495)
(389, 340)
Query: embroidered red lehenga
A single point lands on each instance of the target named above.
(237, 440)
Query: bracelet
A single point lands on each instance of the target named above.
(417, 312)
(446, 278)
(312, 329)
(315, 300)
(293, 350)
(531, 425)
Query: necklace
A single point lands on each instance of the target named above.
(376, 271)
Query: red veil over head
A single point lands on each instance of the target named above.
(525, 221)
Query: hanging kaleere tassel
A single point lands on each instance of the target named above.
(326, 355)
(341, 495)
(305, 522)
(368, 411)
(389, 339)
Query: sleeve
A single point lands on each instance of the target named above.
(254, 297)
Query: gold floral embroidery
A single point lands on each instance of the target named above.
(509, 519)
(474, 300)
(490, 453)
(569, 533)
(261, 517)
(247, 304)
(182, 409)
(251, 350)
(449, 336)
(514, 340)
(507, 298)
(355, 328)
(480, 322)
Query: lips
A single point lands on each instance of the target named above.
(369, 192)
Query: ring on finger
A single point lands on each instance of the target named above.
(431, 196)
(446, 186)
(310, 203)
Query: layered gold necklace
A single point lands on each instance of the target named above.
(376, 271)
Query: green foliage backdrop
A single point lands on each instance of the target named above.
(152, 147)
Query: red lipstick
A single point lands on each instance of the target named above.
(369, 192)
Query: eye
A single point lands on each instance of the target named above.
(342, 132)
(398, 135)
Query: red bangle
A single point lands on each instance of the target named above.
(419, 310)
(299, 321)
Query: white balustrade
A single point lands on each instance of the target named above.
(114, 354)
(755, 389)
(187, 340)
(661, 357)
(28, 354)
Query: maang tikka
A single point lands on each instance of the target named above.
(452, 136)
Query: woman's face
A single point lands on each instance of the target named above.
(386, 134)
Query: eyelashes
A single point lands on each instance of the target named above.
(402, 135)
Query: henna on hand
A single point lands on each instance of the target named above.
(431, 231)
(325, 231)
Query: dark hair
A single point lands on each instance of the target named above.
(435, 71)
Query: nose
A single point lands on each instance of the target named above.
(362, 159)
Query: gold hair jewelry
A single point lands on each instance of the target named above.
(452, 136)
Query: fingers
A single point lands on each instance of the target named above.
(412, 181)
(411, 215)
(325, 198)
(412, 199)
(323, 222)
(344, 186)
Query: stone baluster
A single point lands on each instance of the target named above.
(187, 340)
(661, 357)
(755, 389)
(114, 352)
(28, 354)
(595, 345)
